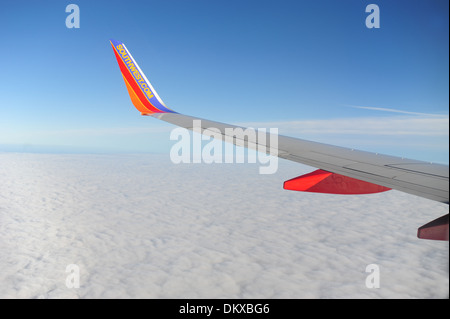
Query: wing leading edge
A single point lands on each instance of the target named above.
(379, 172)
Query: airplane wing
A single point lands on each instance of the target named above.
(340, 170)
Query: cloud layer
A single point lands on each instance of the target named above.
(139, 226)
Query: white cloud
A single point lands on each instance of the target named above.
(142, 227)
(104, 131)
(383, 109)
(397, 125)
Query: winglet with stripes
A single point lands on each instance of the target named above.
(142, 93)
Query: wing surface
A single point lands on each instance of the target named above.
(340, 169)
(419, 178)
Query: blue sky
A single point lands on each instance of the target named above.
(281, 63)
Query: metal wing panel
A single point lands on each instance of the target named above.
(415, 177)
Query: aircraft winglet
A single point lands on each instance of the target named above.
(142, 93)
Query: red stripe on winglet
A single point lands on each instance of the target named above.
(126, 73)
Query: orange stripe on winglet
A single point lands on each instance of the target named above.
(134, 86)
(134, 98)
